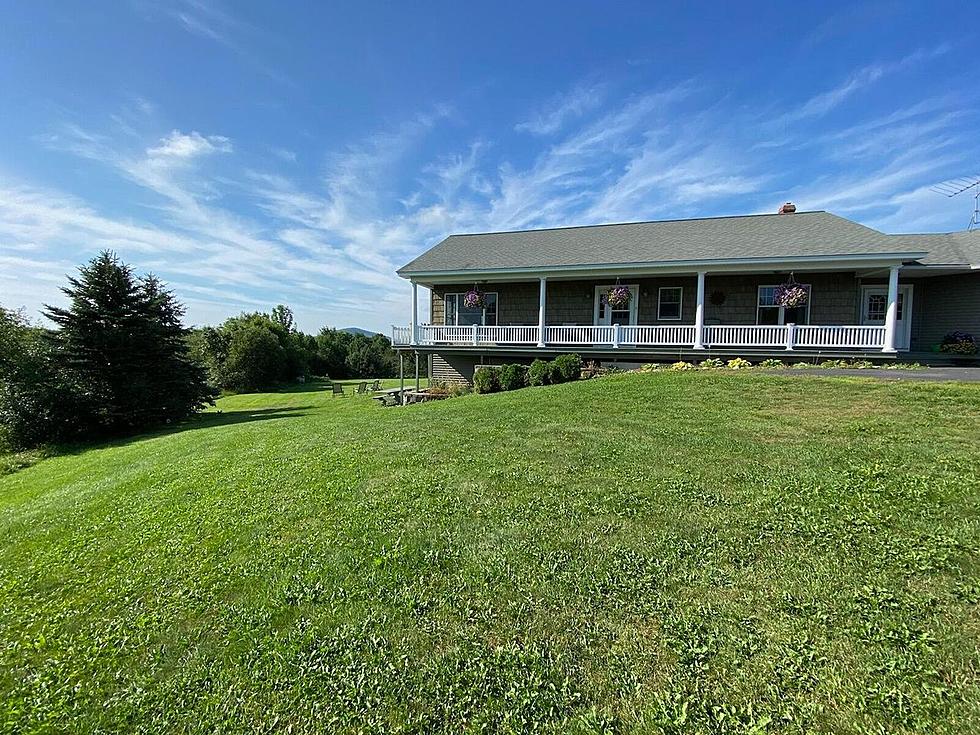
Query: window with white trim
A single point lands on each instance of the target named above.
(458, 314)
(769, 312)
(669, 299)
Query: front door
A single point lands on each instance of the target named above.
(606, 316)
(874, 305)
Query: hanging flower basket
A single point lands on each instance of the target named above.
(790, 294)
(618, 297)
(474, 299)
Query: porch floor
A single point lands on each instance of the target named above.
(662, 354)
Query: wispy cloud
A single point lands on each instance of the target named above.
(823, 103)
(562, 108)
(209, 20)
(189, 145)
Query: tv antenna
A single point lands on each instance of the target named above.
(952, 187)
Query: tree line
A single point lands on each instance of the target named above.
(259, 351)
(119, 359)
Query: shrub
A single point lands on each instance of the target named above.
(711, 363)
(834, 364)
(593, 369)
(903, 366)
(438, 388)
(459, 389)
(959, 343)
(802, 365)
(860, 364)
(650, 367)
(565, 368)
(772, 364)
(738, 363)
(486, 379)
(539, 373)
(38, 402)
(681, 365)
(513, 376)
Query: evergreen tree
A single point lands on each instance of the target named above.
(121, 344)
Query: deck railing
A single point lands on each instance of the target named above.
(579, 335)
(850, 336)
(782, 336)
(745, 336)
(517, 335)
(668, 336)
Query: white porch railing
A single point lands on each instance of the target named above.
(401, 335)
(507, 335)
(851, 336)
(436, 334)
(745, 336)
(579, 335)
(788, 336)
(670, 336)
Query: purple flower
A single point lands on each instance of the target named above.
(473, 299)
(619, 297)
(790, 295)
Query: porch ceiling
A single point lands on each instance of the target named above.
(865, 265)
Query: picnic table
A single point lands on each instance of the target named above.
(417, 396)
(388, 396)
(394, 396)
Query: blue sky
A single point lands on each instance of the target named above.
(257, 153)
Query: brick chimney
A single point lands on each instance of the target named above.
(787, 208)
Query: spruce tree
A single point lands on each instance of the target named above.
(122, 344)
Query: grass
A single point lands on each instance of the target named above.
(672, 552)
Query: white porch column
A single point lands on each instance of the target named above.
(891, 316)
(542, 304)
(415, 313)
(699, 314)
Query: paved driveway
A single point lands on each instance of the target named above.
(969, 374)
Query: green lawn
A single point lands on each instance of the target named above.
(672, 552)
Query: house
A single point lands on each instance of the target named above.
(689, 289)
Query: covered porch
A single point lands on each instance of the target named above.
(854, 305)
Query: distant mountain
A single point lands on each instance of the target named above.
(358, 330)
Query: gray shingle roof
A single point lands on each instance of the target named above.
(716, 238)
(948, 248)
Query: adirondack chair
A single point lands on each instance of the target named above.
(376, 386)
(338, 390)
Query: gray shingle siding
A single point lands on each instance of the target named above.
(943, 304)
(448, 368)
(834, 299)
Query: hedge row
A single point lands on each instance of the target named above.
(562, 369)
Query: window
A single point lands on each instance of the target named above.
(669, 302)
(877, 307)
(768, 312)
(459, 315)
